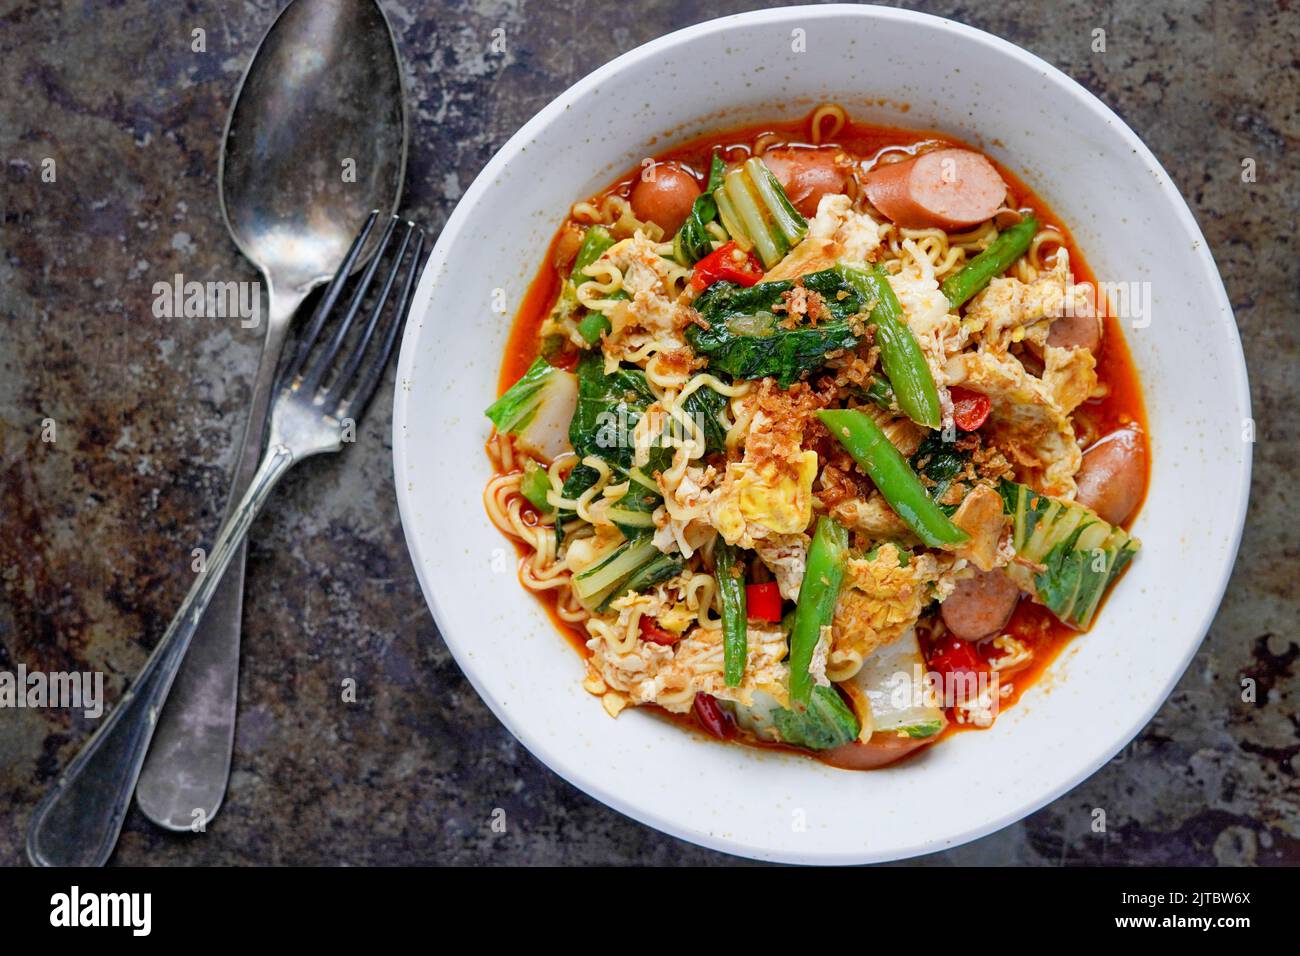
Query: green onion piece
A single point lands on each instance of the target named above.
(1010, 245)
(731, 588)
(817, 598)
(870, 448)
(793, 226)
(534, 486)
(903, 361)
(745, 203)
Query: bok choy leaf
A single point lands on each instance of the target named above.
(1081, 555)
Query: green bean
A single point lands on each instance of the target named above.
(902, 359)
(818, 595)
(731, 588)
(870, 448)
(1010, 245)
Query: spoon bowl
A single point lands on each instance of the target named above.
(316, 140)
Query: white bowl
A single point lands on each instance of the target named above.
(1132, 225)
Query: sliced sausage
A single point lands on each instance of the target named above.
(882, 749)
(979, 607)
(1112, 475)
(1072, 332)
(807, 175)
(1076, 332)
(666, 199)
(944, 188)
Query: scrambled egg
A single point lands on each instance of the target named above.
(767, 495)
(1009, 310)
(671, 675)
(786, 556)
(881, 598)
(653, 317)
(769, 491)
(982, 517)
(1029, 420)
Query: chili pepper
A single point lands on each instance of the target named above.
(652, 632)
(764, 601)
(724, 264)
(715, 721)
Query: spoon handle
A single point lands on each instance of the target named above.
(78, 822)
(183, 782)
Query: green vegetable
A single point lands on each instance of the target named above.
(825, 723)
(592, 326)
(890, 693)
(881, 391)
(731, 588)
(634, 565)
(608, 408)
(595, 243)
(1010, 245)
(870, 448)
(745, 339)
(901, 358)
(817, 597)
(535, 485)
(940, 461)
(535, 408)
(706, 406)
(693, 242)
(1082, 555)
(755, 211)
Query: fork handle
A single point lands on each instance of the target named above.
(78, 822)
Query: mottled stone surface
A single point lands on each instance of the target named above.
(96, 528)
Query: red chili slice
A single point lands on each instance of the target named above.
(652, 632)
(969, 409)
(715, 721)
(763, 602)
(722, 265)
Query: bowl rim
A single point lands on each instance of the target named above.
(580, 776)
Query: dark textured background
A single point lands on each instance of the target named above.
(96, 529)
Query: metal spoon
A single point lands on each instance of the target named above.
(315, 140)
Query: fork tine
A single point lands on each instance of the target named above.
(331, 296)
(314, 374)
(356, 406)
(344, 377)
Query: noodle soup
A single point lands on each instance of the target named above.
(816, 436)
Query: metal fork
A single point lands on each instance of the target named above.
(318, 400)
